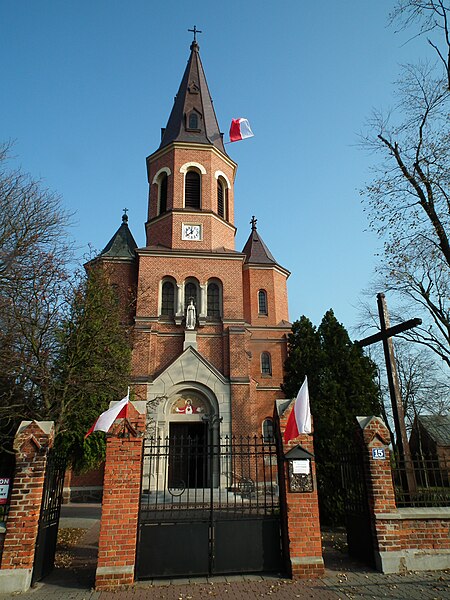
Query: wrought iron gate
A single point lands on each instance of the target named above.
(209, 508)
(356, 499)
(44, 556)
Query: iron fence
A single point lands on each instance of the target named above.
(229, 474)
(430, 476)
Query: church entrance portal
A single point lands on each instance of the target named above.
(188, 453)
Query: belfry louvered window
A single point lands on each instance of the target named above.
(213, 300)
(163, 193)
(168, 299)
(192, 190)
(221, 195)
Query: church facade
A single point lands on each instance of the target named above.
(210, 323)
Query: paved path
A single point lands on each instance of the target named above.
(343, 579)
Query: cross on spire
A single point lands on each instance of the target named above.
(195, 31)
(125, 216)
(253, 223)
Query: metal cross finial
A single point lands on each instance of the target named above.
(125, 216)
(253, 223)
(195, 31)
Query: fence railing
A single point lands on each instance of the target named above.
(184, 474)
(430, 474)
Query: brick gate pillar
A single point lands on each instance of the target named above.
(121, 496)
(380, 488)
(31, 444)
(304, 540)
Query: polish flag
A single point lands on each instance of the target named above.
(239, 130)
(300, 418)
(107, 418)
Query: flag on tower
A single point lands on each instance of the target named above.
(300, 418)
(107, 418)
(240, 129)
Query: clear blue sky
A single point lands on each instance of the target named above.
(87, 85)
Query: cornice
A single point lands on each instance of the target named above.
(190, 146)
(182, 253)
(194, 214)
(265, 267)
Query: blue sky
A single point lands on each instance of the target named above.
(86, 87)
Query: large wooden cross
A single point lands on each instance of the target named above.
(385, 335)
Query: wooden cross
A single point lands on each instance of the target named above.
(195, 31)
(385, 336)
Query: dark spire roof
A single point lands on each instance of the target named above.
(193, 97)
(255, 249)
(122, 244)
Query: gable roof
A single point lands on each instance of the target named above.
(438, 428)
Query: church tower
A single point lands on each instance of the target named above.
(210, 322)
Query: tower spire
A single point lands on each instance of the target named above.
(193, 118)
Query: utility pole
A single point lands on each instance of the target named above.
(385, 335)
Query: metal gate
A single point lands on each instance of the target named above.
(44, 556)
(356, 499)
(209, 507)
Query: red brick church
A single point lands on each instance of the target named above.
(210, 322)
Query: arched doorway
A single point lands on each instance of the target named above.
(189, 437)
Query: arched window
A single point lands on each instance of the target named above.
(190, 291)
(266, 363)
(193, 121)
(192, 186)
(168, 298)
(162, 192)
(213, 300)
(268, 431)
(262, 302)
(222, 196)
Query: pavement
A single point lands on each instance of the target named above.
(344, 578)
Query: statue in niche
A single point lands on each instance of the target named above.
(190, 315)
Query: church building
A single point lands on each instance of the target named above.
(210, 323)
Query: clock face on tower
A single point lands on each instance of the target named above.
(191, 232)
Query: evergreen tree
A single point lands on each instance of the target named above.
(342, 385)
(93, 369)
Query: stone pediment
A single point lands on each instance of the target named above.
(191, 367)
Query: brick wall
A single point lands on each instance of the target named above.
(85, 487)
(406, 538)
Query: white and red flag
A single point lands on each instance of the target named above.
(300, 418)
(240, 129)
(107, 418)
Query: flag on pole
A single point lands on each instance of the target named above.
(107, 418)
(239, 130)
(300, 418)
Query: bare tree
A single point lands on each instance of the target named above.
(408, 203)
(432, 17)
(34, 274)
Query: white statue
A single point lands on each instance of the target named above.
(190, 315)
